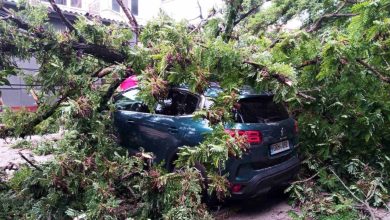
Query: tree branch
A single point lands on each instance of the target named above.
(204, 21)
(200, 10)
(306, 180)
(265, 73)
(335, 14)
(376, 72)
(233, 7)
(309, 62)
(317, 25)
(28, 127)
(279, 77)
(111, 90)
(102, 52)
(132, 21)
(30, 162)
(365, 203)
(245, 15)
(107, 54)
(62, 16)
(10, 16)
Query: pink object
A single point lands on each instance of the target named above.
(129, 83)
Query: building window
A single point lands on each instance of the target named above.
(134, 7)
(60, 2)
(76, 3)
(115, 6)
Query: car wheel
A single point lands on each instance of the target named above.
(206, 198)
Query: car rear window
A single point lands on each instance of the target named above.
(259, 109)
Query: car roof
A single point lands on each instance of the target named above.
(214, 89)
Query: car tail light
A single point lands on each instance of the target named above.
(252, 137)
(296, 128)
(236, 188)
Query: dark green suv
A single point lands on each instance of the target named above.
(272, 134)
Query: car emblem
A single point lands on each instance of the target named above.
(282, 132)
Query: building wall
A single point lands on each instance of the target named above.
(17, 95)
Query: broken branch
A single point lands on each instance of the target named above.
(376, 72)
(309, 62)
(30, 162)
(103, 105)
(335, 14)
(132, 21)
(365, 203)
(249, 12)
(62, 16)
(99, 51)
(279, 77)
(306, 180)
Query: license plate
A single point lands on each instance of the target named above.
(279, 147)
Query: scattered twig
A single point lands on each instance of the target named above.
(305, 96)
(365, 203)
(11, 166)
(6, 17)
(306, 180)
(30, 162)
(35, 96)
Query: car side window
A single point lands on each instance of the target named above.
(129, 101)
(177, 103)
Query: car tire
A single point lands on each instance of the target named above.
(209, 200)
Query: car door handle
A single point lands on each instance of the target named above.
(173, 130)
(130, 121)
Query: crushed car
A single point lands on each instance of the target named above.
(272, 135)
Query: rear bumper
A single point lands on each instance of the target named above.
(267, 178)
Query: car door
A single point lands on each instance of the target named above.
(129, 112)
(163, 132)
(160, 133)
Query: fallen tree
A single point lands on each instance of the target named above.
(332, 73)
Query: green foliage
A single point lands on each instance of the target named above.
(22, 144)
(85, 179)
(333, 73)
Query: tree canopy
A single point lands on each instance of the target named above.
(332, 73)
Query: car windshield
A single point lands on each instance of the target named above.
(177, 102)
(129, 101)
